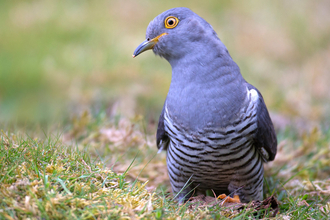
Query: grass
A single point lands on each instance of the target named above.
(109, 169)
(46, 179)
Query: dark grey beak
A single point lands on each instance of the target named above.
(147, 45)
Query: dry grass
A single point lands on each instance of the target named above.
(110, 169)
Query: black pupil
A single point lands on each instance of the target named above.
(170, 22)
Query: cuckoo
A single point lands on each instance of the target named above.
(214, 126)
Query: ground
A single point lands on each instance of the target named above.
(104, 168)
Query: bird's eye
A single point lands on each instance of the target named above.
(171, 22)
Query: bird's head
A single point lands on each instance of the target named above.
(176, 33)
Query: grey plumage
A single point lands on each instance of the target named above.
(214, 126)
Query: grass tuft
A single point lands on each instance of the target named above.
(46, 179)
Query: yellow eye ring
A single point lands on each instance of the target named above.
(171, 22)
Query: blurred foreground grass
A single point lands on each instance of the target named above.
(59, 58)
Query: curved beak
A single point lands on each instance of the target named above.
(147, 45)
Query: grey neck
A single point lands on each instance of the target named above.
(206, 89)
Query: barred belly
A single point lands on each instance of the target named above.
(239, 172)
(223, 160)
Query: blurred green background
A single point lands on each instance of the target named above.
(60, 58)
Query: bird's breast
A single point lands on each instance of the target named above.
(196, 102)
(210, 140)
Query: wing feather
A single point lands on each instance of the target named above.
(161, 136)
(265, 137)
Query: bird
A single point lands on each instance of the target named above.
(214, 126)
